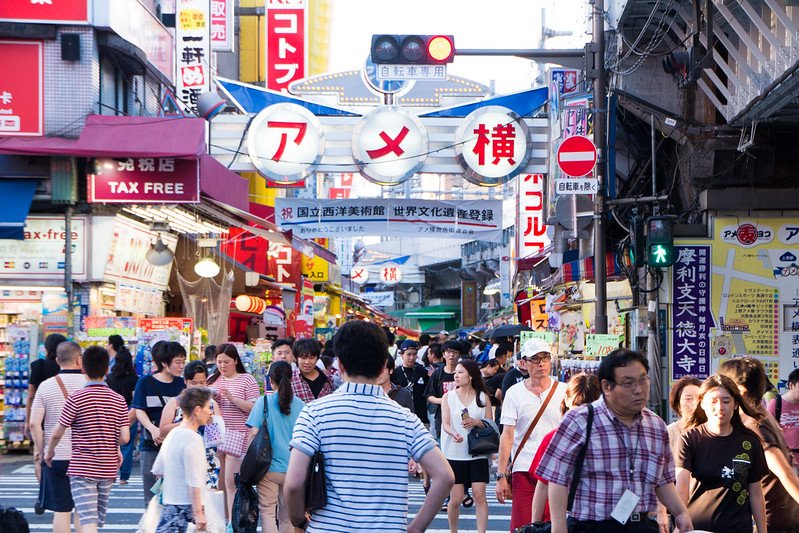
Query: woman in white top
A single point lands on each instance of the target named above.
(461, 410)
(181, 462)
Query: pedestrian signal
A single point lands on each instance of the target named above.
(412, 49)
(660, 241)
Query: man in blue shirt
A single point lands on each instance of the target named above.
(366, 440)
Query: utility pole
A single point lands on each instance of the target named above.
(600, 140)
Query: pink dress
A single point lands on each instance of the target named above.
(241, 386)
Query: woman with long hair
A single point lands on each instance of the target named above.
(582, 389)
(780, 484)
(466, 407)
(235, 391)
(181, 463)
(283, 408)
(122, 379)
(720, 462)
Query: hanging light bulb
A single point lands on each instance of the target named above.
(159, 254)
(206, 268)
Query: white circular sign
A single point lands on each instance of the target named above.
(390, 274)
(389, 145)
(492, 145)
(285, 142)
(359, 275)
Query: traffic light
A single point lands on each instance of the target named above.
(637, 242)
(660, 241)
(412, 49)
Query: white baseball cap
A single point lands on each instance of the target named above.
(534, 346)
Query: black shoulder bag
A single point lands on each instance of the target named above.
(546, 527)
(316, 484)
(258, 458)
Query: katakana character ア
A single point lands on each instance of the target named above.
(301, 127)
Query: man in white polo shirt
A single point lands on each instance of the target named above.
(54, 491)
(522, 403)
(366, 440)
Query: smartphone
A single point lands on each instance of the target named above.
(464, 414)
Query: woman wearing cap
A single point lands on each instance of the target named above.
(520, 407)
(413, 377)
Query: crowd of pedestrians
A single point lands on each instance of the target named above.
(587, 455)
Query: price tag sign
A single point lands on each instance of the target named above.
(600, 345)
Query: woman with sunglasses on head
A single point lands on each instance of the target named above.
(720, 462)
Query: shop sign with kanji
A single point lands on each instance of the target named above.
(164, 180)
(492, 145)
(222, 25)
(471, 219)
(284, 142)
(286, 50)
(389, 145)
(390, 274)
(193, 36)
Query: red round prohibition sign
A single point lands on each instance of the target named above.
(576, 156)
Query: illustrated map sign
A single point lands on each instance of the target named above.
(577, 156)
(474, 219)
(492, 145)
(389, 145)
(285, 141)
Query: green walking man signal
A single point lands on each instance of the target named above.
(660, 241)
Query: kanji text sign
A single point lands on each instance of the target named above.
(146, 179)
(192, 33)
(492, 145)
(222, 25)
(21, 88)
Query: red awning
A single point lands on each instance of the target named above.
(223, 185)
(111, 136)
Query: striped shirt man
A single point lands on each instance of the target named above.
(366, 440)
(96, 414)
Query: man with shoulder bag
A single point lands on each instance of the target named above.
(530, 410)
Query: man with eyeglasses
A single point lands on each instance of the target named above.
(628, 465)
(522, 402)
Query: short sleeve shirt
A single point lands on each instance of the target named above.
(242, 386)
(280, 427)
(145, 397)
(722, 467)
(42, 369)
(519, 408)
(366, 440)
(96, 414)
(50, 397)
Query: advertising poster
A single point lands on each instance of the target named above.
(748, 305)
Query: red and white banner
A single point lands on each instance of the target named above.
(531, 231)
(66, 11)
(152, 180)
(286, 50)
(193, 36)
(222, 25)
(22, 88)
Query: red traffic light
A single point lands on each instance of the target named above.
(388, 49)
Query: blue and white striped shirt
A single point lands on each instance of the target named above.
(366, 439)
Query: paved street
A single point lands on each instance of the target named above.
(18, 488)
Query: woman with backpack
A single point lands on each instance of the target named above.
(282, 409)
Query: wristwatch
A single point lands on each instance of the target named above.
(501, 475)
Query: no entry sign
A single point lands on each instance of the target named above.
(576, 156)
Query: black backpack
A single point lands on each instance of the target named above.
(13, 521)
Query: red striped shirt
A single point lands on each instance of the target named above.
(95, 413)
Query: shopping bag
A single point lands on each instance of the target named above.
(214, 502)
(214, 433)
(151, 516)
(244, 517)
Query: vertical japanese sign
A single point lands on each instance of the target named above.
(222, 25)
(531, 230)
(286, 51)
(21, 88)
(193, 36)
(691, 317)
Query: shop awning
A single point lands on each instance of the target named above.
(222, 185)
(111, 136)
(584, 269)
(17, 195)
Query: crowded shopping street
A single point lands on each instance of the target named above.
(355, 266)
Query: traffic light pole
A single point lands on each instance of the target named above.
(600, 138)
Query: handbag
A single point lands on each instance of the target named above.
(546, 527)
(316, 484)
(148, 523)
(147, 437)
(484, 440)
(214, 433)
(527, 434)
(258, 458)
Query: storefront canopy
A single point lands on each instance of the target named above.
(17, 195)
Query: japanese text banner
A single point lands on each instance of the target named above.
(393, 217)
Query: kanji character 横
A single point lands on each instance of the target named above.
(503, 146)
(481, 144)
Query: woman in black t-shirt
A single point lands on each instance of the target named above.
(720, 462)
